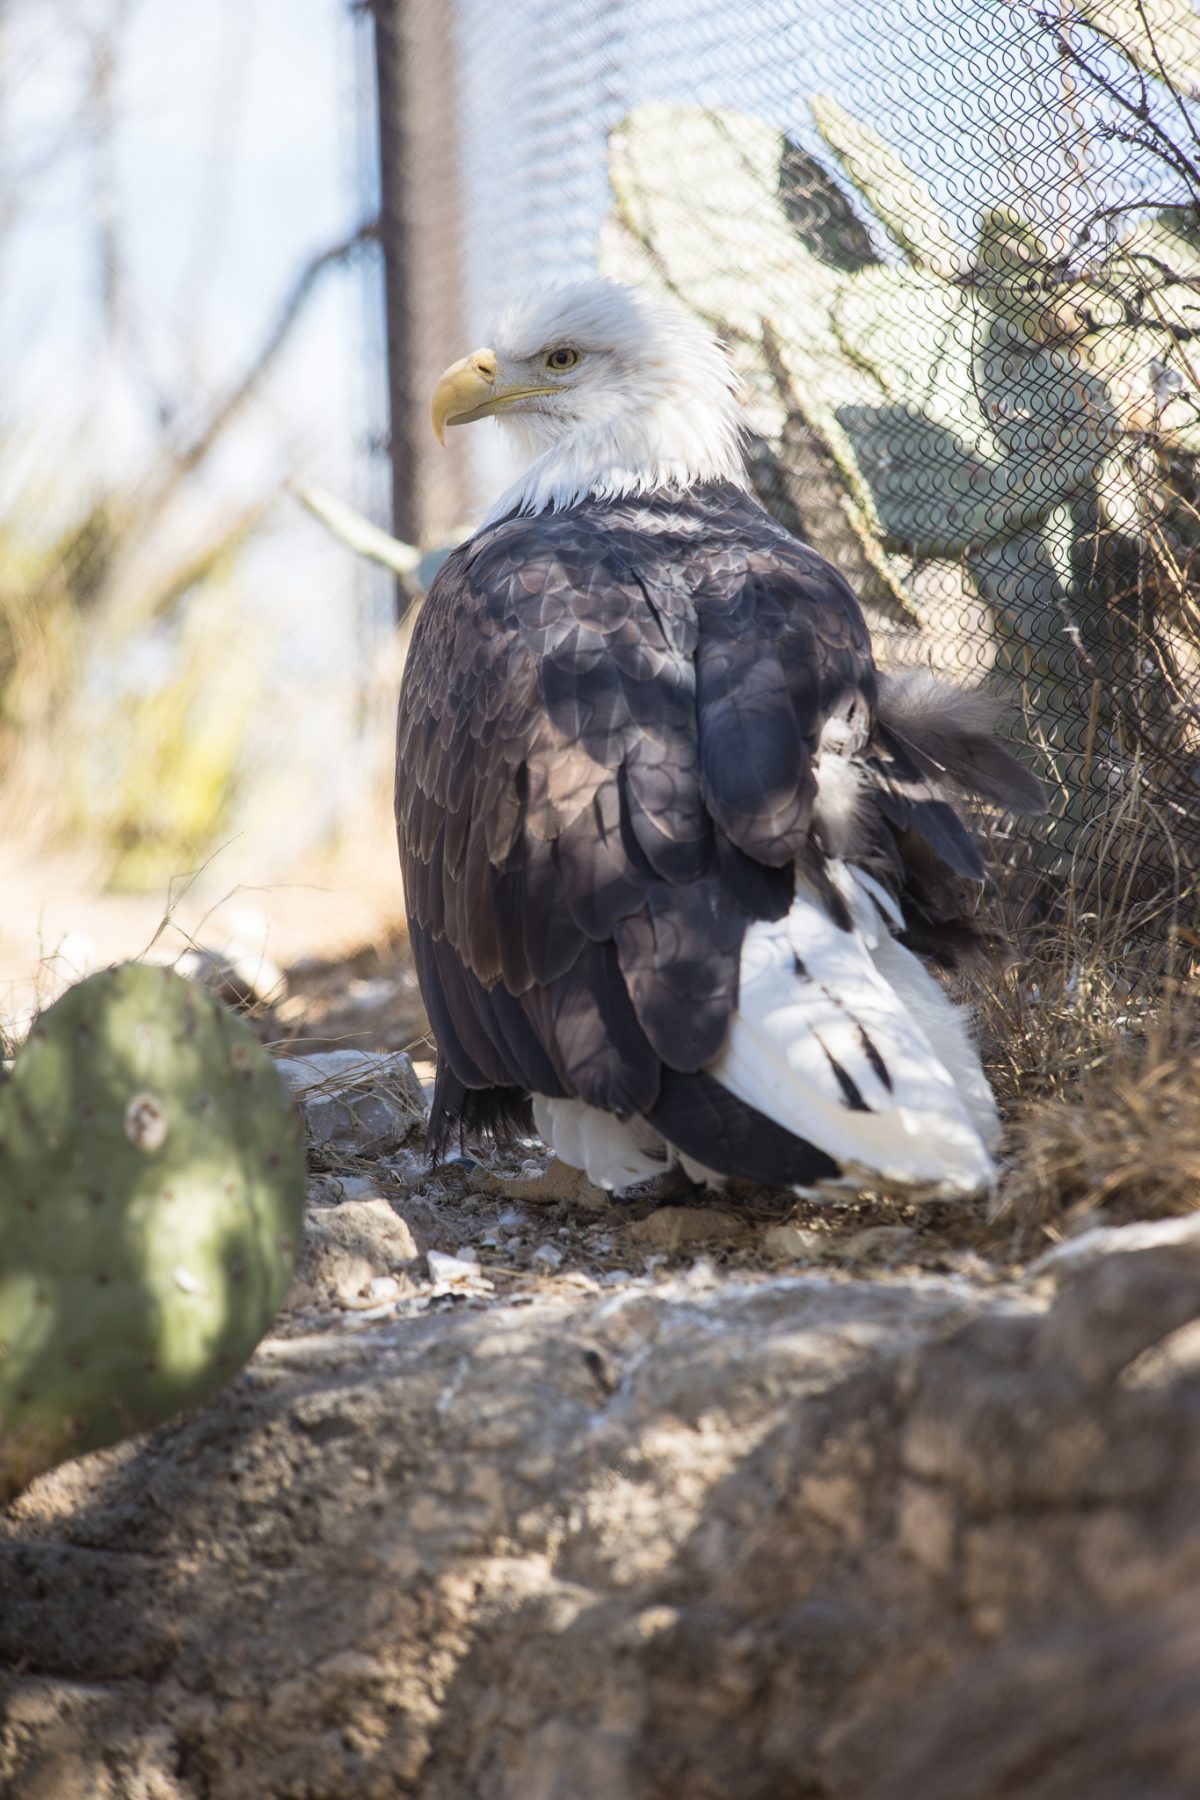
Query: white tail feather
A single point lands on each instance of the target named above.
(945, 1025)
(612, 1153)
(832, 1039)
(844, 1038)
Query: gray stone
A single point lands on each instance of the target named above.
(355, 1103)
(730, 1536)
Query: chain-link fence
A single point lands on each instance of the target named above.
(955, 249)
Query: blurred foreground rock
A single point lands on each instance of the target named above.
(698, 1535)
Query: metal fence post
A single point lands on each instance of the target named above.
(420, 228)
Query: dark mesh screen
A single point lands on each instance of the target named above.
(954, 248)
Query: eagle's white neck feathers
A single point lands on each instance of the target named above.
(652, 403)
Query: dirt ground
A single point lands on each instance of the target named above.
(537, 1494)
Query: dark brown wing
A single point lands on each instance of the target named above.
(606, 733)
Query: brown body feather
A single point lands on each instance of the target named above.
(609, 765)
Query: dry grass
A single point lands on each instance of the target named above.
(1092, 1042)
(1127, 1141)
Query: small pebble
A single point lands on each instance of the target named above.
(876, 1243)
(796, 1243)
(548, 1256)
(454, 1275)
(356, 1187)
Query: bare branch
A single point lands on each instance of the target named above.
(274, 341)
(356, 532)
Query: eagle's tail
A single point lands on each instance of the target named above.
(846, 1040)
(845, 1066)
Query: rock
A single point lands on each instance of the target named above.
(796, 1242)
(875, 1243)
(732, 1536)
(354, 1102)
(557, 1183)
(673, 1228)
(345, 1071)
(872, 1244)
(456, 1274)
(355, 1124)
(547, 1256)
(346, 1250)
(340, 1188)
(1101, 1240)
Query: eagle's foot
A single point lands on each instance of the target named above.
(559, 1185)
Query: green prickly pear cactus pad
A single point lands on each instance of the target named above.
(151, 1205)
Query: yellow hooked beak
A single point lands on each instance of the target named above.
(473, 388)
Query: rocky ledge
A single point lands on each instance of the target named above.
(544, 1498)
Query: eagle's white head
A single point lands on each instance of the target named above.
(606, 390)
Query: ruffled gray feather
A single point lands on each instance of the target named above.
(950, 733)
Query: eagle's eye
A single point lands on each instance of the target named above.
(561, 359)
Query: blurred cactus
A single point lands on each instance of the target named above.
(151, 1204)
(988, 411)
(898, 197)
(727, 247)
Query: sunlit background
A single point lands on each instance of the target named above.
(186, 328)
(198, 209)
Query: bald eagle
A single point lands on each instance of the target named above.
(675, 854)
